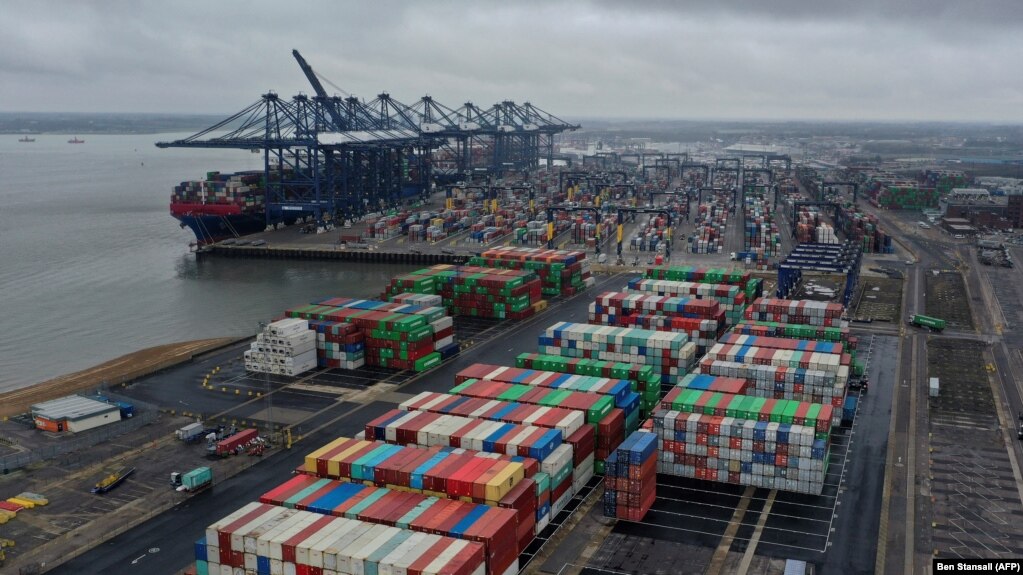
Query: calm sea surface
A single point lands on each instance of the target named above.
(92, 266)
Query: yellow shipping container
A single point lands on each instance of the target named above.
(310, 460)
(334, 463)
(503, 482)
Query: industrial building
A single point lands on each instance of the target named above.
(74, 413)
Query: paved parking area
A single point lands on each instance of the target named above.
(976, 508)
(947, 298)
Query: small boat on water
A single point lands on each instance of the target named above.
(26, 139)
(75, 140)
(112, 479)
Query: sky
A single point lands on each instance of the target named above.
(690, 59)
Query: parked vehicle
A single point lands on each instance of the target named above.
(931, 323)
(232, 444)
(190, 433)
(195, 480)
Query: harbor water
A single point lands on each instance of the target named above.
(92, 266)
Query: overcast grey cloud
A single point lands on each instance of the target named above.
(865, 60)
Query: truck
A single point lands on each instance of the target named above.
(233, 443)
(931, 323)
(194, 481)
(190, 433)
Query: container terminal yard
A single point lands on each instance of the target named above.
(637, 363)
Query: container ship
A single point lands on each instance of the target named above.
(221, 206)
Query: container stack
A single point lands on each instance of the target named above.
(630, 479)
(797, 331)
(643, 379)
(619, 389)
(761, 236)
(457, 474)
(242, 192)
(595, 405)
(908, 196)
(567, 421)
(493, 527)
(752, 447)
(425, 429)
(651, 236)
(753, 287)
(261, 538)
(424, 300)
(561, 272)
(701, 382)
(444, 472)
(579, 435)
(700, 319)
(396, 335)
(284, 347)
(807, 312)
(711, 220)
(670, 354)
(730, 298)
(339, 345)
(475, 291)
(775, 382)
(825, 234)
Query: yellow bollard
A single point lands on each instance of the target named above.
(237, 392)
(223, 389)
(250, 393)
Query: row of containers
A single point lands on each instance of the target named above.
(761, 238)
(349, 333)
(710, 223)
(473, 290)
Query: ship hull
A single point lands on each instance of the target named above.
(214, 227)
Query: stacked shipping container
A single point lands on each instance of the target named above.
(761, 237)
(807, 312)
(494, 527)
(261, 538)
(731, 298)
(243, 191)
(700, 319)
(561, 272)
(732, 449)
(753, 287)
(643, 379)
(473, 290)
(395, 335)
(284, 347)
(630, 482)
(670, 354)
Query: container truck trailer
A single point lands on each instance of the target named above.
(931, 323)
(194, 481)
(230, 445)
